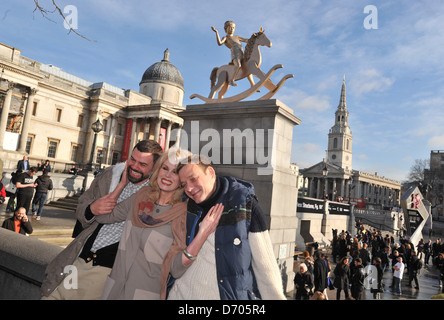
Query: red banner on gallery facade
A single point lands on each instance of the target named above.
(127, 140)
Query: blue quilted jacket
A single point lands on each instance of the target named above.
(235, 275)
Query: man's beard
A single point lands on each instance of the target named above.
(133, 179)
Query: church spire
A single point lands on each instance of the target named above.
(342, 100)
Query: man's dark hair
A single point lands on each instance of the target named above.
(33, 169)
(149, 146)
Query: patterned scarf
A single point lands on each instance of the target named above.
(142, 217)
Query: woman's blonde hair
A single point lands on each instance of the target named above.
(172, 157)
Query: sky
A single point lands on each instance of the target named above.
(390, 52)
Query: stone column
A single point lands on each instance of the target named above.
(27, 120)
(112, 133)
(318, 189)
(310, 187)
(175, 134)
(168, 135)
(5, 113)
(343, 182)
(133, 136)
(89, 137)
(146, 136)
(333, 191)
(157, 129)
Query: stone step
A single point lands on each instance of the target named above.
(62, 206)
(69, 203)
(51, 231)
(58, 236)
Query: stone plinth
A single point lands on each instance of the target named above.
(252, 140)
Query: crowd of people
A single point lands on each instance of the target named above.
(352, 254)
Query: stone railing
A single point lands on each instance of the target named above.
(22, 265)
(65, 185)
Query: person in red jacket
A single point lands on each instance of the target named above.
(2, 193)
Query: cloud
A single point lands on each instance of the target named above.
(436, 142)
(302, 101)
(307, 154)
(370, 80)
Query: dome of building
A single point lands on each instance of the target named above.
(163, 71)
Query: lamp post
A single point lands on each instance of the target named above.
(324, 174)
(96, 127)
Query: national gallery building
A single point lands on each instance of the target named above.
(49, 114)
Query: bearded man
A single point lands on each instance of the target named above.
(93, 251)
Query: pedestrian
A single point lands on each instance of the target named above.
(415, 265)
(427, 251)
(2, 193)
(420, 248)
(435, 248)
(44, 184)
(10, 207)
(342, 278)
(45, 166)
(94, 249)
(25, 188)
(303, 281)
(237, 261)
(357, 280)
(309, 263)
(334, 247)
(364, 255)
(23, 165)
(377, 285)
(397, 275)
(19, 223)
(439, 262)
(342, 246)
(320, 274)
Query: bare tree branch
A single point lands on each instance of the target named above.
(45, 13)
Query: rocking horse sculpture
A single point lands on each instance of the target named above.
(250, 66)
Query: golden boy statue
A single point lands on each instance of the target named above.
(234, 44)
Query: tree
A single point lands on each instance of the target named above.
(417, 171)
(57, 10)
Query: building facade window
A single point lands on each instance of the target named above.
(29, 142)
(119, 129)
(80, 120)
(34, 108)
(100, 157)
(52, 148)
(115, 158)
(58, 115)
(75, 151)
